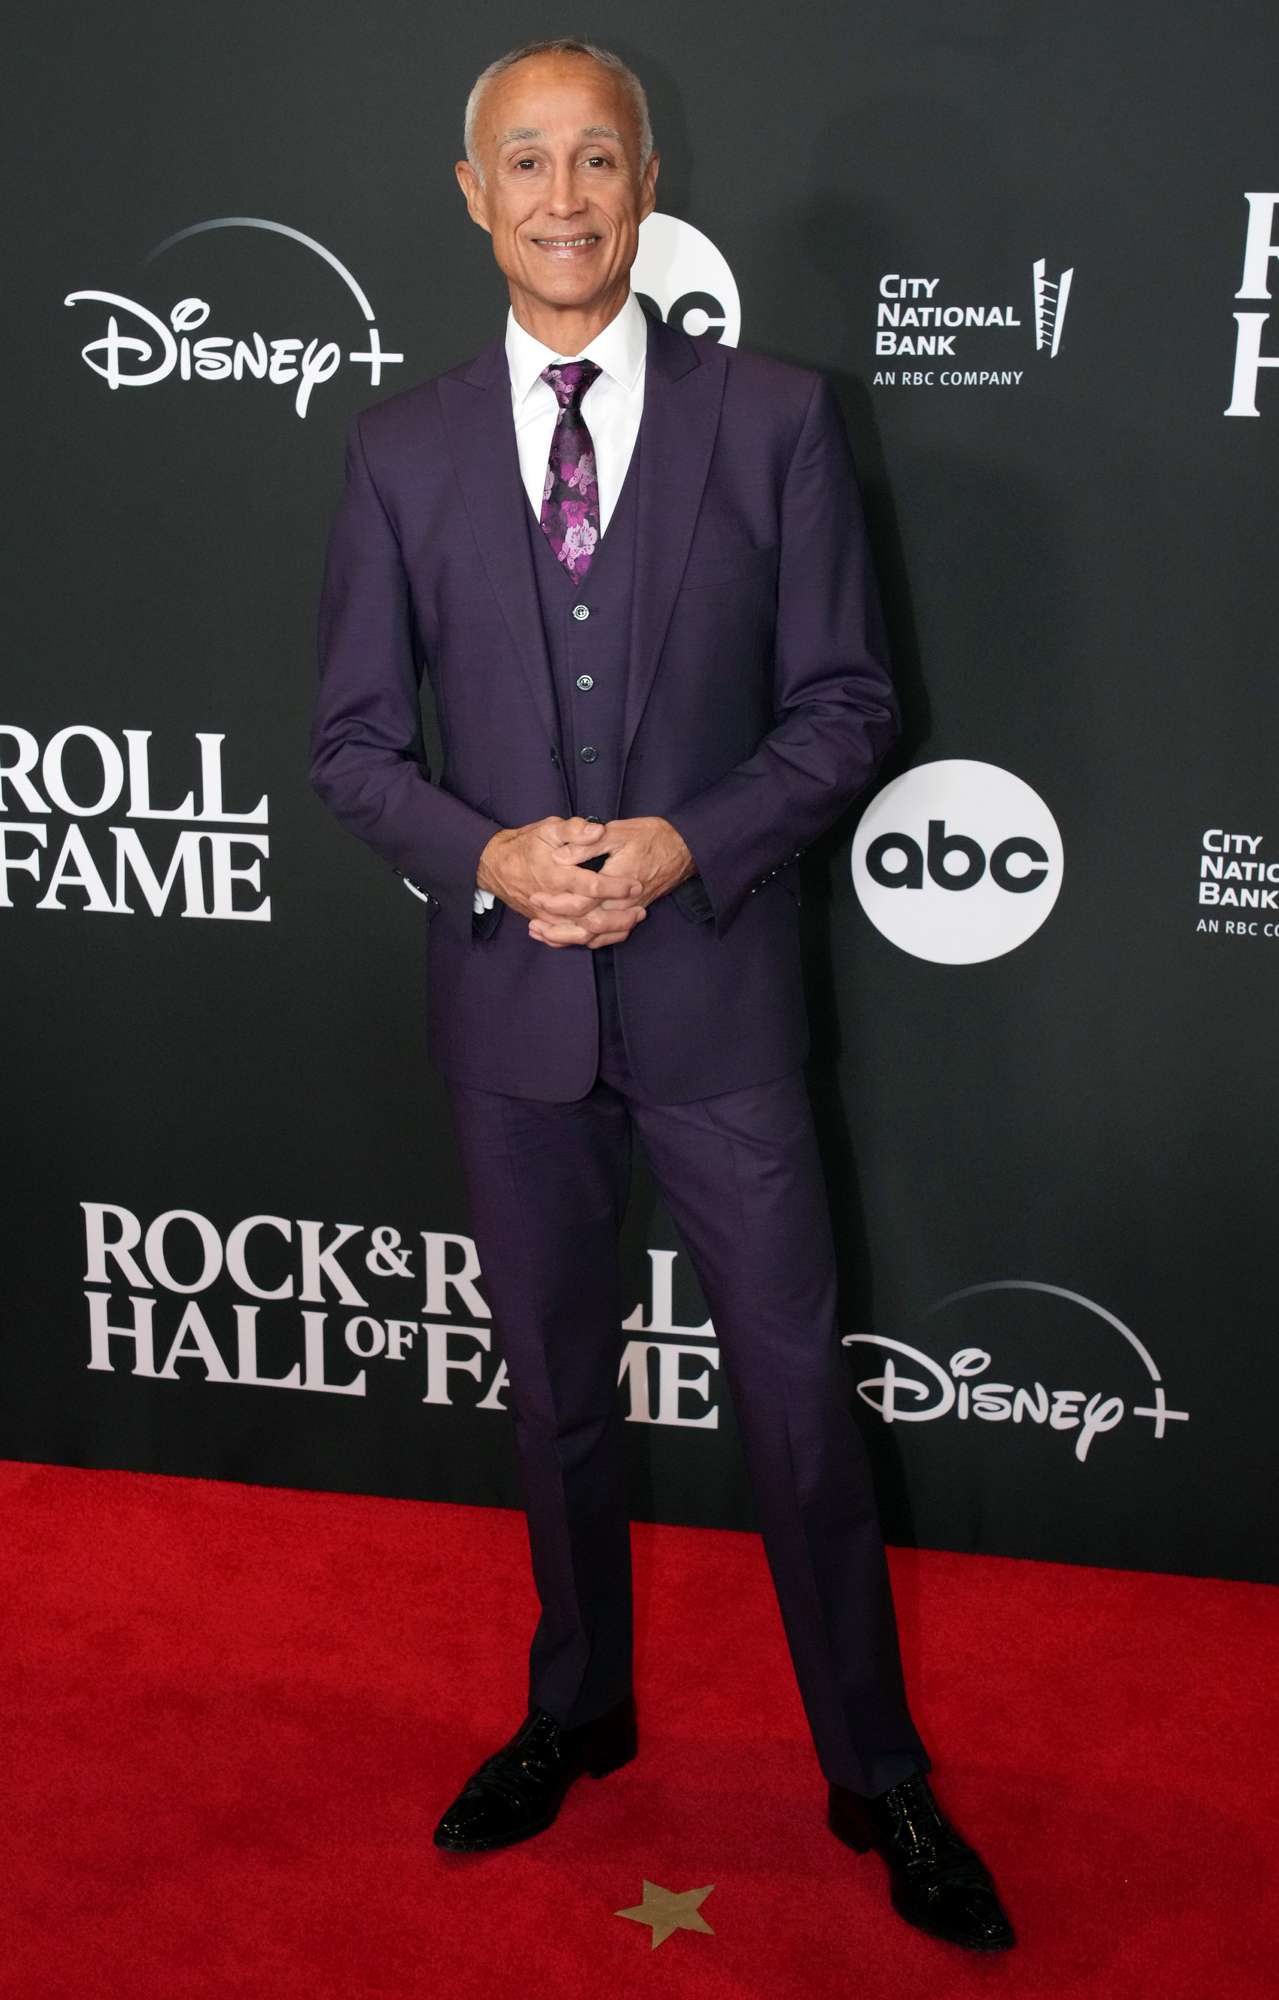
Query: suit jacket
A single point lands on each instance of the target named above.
(758, 705)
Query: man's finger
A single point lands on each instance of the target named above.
(554, 917)
(596, 884)
(572, 852)
(562, 903)
(563, 930)
(563, 832)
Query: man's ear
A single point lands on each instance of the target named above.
(469, 182)
(648, 186)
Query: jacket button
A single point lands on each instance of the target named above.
(581, 611)
(588, 753)
(585, 682)
(555, 755)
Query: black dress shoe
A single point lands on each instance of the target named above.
(520, 1788)
(938, 1881)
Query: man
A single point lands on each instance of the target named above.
(632, 565)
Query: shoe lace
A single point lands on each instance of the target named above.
(925, 1839)
(526, 1761)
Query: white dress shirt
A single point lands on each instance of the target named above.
(612, 407)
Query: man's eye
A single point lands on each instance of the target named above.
(599, 160)
(525, 163)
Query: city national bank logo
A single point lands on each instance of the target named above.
(1237, 879)
(685, 279)
(1260, 250)
(280, 1303)
(912, 1386)
(957, 861)
(138, 348)
(56, 853)
(915, 320)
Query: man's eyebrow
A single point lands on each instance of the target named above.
(521, 132)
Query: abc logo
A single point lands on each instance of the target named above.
(957, 862)
(681, 273)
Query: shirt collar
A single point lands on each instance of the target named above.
(619, 348)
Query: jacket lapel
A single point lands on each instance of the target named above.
(476, 402)
(683, 391)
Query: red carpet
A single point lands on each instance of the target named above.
(232, 1715)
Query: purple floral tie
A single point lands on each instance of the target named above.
(570, 517)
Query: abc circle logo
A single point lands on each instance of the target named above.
(681, 273)
(957, 862)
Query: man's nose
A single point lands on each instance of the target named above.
(565, 194)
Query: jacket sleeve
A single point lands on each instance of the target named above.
(368, 758)
(836, 711)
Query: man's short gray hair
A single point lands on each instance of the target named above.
(562, 45)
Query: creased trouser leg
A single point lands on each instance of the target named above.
(547, 1187)
(742, 1178)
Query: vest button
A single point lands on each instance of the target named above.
(585, 682)
(588, 753)
(581, 611)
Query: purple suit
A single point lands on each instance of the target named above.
(757, 706)
(748, 702)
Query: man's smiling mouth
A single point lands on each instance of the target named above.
(564, 242)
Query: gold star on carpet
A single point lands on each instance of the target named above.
(666, 1911)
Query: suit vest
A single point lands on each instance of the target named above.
(587, 627)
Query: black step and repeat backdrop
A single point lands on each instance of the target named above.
(1037, 251)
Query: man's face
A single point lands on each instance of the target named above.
(562, 195)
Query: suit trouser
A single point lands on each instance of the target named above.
(741, 1176)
